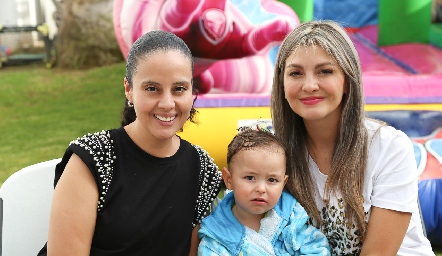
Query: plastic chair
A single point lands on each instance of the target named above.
(25, 202)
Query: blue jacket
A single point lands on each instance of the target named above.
(284, 231)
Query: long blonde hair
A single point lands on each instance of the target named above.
(349, 157)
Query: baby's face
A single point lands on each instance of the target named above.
(257, 178)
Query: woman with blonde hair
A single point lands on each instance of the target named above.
(355, 176)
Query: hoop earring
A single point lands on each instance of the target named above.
(130, 104)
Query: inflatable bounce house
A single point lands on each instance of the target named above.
(234, 43)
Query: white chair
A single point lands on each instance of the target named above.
(25, 202)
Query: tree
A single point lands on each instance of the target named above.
(85, 36)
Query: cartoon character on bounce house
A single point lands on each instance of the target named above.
(232, 41)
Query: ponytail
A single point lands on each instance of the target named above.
(128, 114)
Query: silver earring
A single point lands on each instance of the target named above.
(130, 104)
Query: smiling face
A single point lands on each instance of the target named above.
(161, 93)
(257, 177)
(314, 84)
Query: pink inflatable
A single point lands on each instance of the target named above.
(233, 41)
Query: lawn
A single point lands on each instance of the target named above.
(44, 109)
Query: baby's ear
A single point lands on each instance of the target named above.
(227, 178)
(286, 177)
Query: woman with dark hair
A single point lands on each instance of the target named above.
(355, 176)
(139, 189)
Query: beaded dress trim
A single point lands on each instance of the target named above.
(100, 146)
(209, 184)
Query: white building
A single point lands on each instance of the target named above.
(26, 13)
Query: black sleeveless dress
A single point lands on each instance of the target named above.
(147, 205)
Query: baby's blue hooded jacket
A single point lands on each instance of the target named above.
(284, 231)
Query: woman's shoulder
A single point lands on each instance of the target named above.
(103, 136)
(209, 181)
(386, 142)
(208, 166)
(379, 131)
(202, 153)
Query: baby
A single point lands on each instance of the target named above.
(258, 217)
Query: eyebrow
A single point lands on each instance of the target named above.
(250, 172)
(292, 65)
(150, 82)
(269, 173)
(275, 173)
(181, 83)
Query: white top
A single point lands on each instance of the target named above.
(390, 183)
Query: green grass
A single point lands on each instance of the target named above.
(42, 110)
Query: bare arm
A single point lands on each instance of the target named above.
(195, 241)
(385, 233)
(74, 211)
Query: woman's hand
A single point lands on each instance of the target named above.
(195, 241)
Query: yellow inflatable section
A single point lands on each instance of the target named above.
(218, 125)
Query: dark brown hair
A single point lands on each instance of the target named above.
(251, 138)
